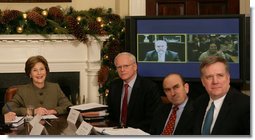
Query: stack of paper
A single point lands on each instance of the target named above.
(91, 111)
(119, 131)
(19, 120)
(89, 107)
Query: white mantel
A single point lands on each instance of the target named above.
(64, 54)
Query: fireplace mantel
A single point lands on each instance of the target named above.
(64, 54)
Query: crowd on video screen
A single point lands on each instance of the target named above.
(182, 48)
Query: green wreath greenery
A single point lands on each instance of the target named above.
(56, 20)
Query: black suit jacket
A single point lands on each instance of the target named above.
(233, 118)
(184, 126)
(169, 56)
(144, 99)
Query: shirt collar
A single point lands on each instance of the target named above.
(183, 104)
(132, 82)
(218, 102)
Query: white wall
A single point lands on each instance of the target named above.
(121, 7)
(118, 6)
(245, 7)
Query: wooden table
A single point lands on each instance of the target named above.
(58, 126)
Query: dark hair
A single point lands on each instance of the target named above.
(211, 60)
(181, 77)
(31, 61)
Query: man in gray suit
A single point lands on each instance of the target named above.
(161, 54)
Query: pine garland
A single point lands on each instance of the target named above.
(56, 20)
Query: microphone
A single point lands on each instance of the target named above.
(41, 93)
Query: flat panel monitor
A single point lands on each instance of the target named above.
(189, 39)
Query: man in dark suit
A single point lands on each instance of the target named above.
(230, 108)
(161, 54)
(176, 90)
(142, 97)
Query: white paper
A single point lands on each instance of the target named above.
(37, 129)
(19, 120)
(88, 106)
(120, 131)
(16, 120)
(73, 116)
(84, 129)
(49, 117)
(70, 129)
(35, 120)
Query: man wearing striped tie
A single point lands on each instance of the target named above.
(174, 118)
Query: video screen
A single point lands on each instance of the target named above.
(167, 45)
(187, 47)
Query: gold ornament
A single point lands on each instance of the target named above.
(99, 19)
(101, 25)
(19, 29)
(123, 30)
(106, 57)
(24, 16)
(78, 18)
(106, 92)
(45, 13)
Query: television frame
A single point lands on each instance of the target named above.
(131, 43)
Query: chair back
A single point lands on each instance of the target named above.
(9, 93)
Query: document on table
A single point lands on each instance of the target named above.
(120, 131)
(95, 113)
(17, 122)
(49, 117)
(89, 106)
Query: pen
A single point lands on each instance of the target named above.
(8, 107)
(48, 123)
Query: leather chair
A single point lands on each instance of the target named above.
(9, 93)
(165, 100)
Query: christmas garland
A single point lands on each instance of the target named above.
(56, 20)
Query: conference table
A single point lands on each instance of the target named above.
(59, 126)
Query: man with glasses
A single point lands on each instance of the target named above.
(131, 99)
(161, 54)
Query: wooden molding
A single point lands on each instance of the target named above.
(33, 1)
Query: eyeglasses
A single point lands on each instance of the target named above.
(123, 66)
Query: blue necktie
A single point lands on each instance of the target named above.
(208, 120)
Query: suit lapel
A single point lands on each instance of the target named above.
(185, 117)
(154, 56)
(225, 108)
(168, 56)
(118, 95)
(165, 113)
(200, 115)
(134, 95)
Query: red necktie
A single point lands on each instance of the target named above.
(124, 106)
(169, 128)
